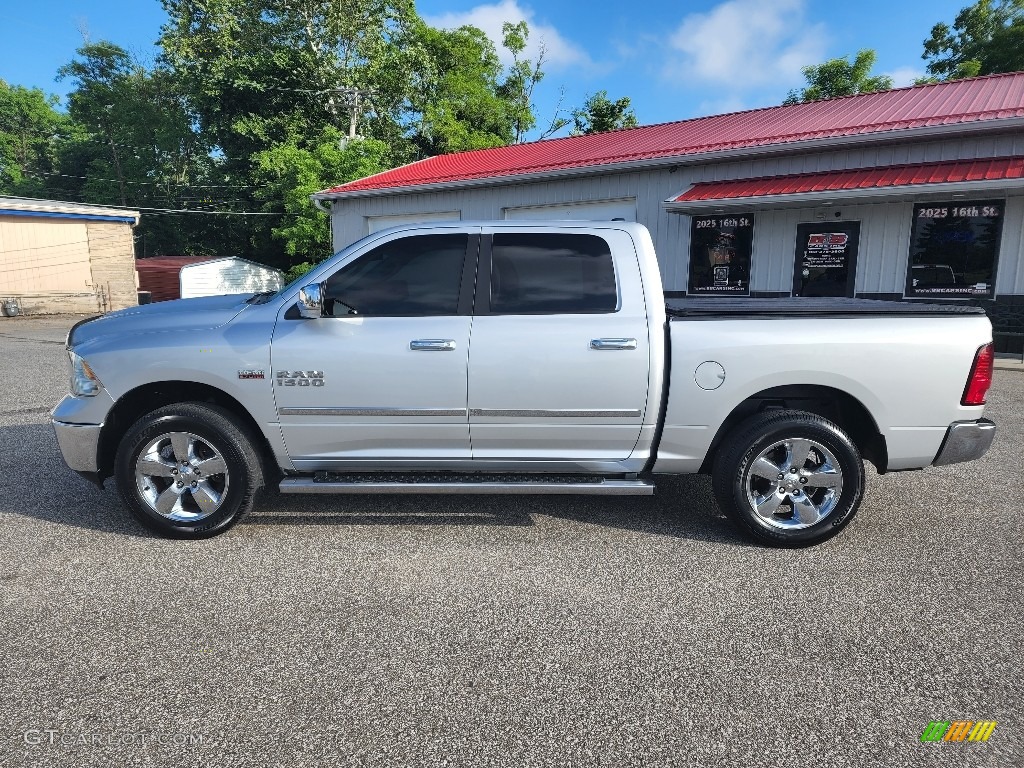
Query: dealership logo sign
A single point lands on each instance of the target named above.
(818, 240)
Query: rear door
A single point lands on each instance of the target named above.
(560, 359)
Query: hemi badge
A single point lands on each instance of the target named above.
(251, 375)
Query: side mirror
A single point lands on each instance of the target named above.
(311, 301)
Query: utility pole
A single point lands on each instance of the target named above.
(353, 98)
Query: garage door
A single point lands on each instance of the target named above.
(377, 223)
(594, 210)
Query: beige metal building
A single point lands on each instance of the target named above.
(60, 257)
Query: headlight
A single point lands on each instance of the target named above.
(84, 381)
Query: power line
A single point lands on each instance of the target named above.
(106, 143)
(164, 211)
(155, 183)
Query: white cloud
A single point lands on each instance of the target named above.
(740, 45)
(559, 53)
(722, 106)
(904, 76)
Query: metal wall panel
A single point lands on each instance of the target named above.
(1010, 272)
(44, 256)
(599, 210)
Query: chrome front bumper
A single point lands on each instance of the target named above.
(79, 445)
(965, 441)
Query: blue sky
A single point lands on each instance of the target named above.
(674, 59)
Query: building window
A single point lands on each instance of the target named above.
(953, 250)
(551, 273)
(720, 248)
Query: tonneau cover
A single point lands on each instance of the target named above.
(721, 307)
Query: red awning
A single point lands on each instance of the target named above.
(917, 174)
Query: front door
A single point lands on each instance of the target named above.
(826, 259)
(384, 375)
(560, 360)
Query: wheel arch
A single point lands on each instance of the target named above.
(136, 403)
(841, 408)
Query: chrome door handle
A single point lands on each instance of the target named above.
(613, 343)
(432, 345)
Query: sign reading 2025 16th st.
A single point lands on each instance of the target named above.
(720, 248)
(954, 248)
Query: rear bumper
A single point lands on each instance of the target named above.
(965, 441)
(79, 445)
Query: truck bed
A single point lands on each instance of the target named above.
(725, 307)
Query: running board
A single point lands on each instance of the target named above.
(467, 484)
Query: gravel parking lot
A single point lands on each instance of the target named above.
(543, 631)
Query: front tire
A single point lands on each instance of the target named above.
(187, 471)
(789, 478)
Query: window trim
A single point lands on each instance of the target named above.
(467, 281)
(483, 294)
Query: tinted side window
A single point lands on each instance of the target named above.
(416, 276)
(551, 273)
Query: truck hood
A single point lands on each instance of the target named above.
(180, 315)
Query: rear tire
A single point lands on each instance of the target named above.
(789, 478)
(188, 471)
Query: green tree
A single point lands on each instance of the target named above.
(521, 81)
(278, 81)
(262, 71)
(273, 75)
(840, 77)
(30, 130)
(599, 114)
(986, 38)
(133, 140)
(454, 103)
(289, 172)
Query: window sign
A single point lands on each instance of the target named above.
(720, 248)
(826, 258)
(953, 250)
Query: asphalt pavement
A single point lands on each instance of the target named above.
(490, 631)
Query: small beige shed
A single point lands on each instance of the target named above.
(58, 257)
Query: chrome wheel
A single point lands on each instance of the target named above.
(794, 483)
(182, 477)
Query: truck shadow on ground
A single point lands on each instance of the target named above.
(682, 507)
(34, 482)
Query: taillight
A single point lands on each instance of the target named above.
(981, 377)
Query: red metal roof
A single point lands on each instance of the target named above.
(989, 169)
(962, 101)
(160, 275)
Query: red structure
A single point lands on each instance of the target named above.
(160, 275)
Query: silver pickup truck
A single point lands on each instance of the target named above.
(512, 357)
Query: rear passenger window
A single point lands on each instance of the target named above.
(551, 274)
